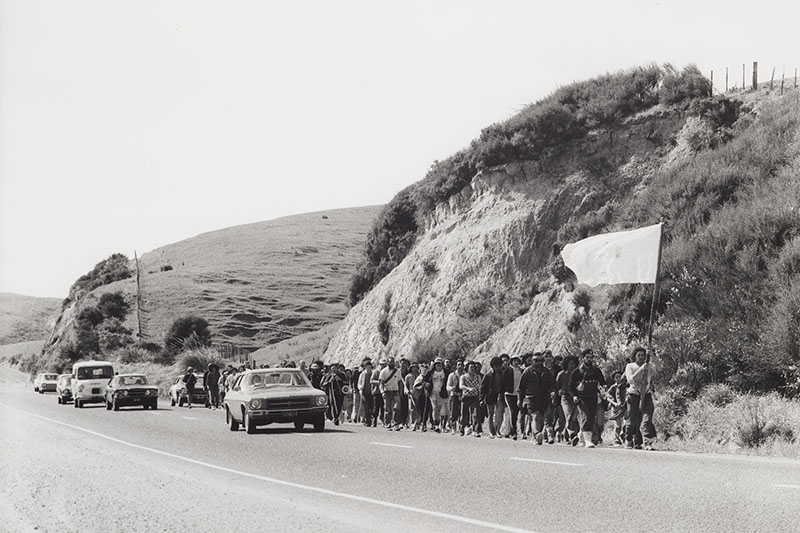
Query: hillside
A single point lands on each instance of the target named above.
(465, 262)
(26, 318)
(255, 284)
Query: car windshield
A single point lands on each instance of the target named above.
(259, 380)
(50, 377)
(132, 380)
(95, 372)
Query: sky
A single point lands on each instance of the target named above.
(129, 125)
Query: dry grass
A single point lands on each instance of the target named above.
(26, 318)
(765, 425)
(305, 347)
(14, 352)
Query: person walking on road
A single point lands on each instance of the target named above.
(470, 384)
(491, 390)
(639, 375)
(584, 383)
(511, 378)
(568, 401)
(412, 394)
(212, 386)
(189, 380)
(390, 384)
(365, 387)
(536, 389)
(454, 392)
(436, 384)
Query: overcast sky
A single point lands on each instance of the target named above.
(130, 125)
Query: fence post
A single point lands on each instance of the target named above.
(743, 86)
(711, 92)
(783, 75)
(772, 79)
(755, 75)
(726, 79)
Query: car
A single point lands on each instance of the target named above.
(64, 389)
(89, 380)
(45, 382)
(277, 395)
(178, 393)
(130, 389)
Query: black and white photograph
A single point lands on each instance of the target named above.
(427, 266)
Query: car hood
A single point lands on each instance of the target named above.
(137, 387)
(281, 392)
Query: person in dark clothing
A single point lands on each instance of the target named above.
(491, 390)
(511, 377)
(536, 389)
(568, 406)
(211, 381)
(316, 375)
(583, 385)
(332, 384)
(365, 388)
(189, 380)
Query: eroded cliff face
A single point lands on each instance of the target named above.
(494, 237)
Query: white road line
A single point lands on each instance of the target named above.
(363, 499)
(392, 445)
(189, 418)
(543, 461)
(786, 486)
(305, 434)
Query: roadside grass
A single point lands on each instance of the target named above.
(762, 425)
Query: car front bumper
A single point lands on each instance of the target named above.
(305, 415)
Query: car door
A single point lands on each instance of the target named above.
(235, 398)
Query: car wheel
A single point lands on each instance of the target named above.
(249, 427)
(319, 424)
(59, 400)
(232, 423)
(41, 391)
(154, 405)
(180, 402)
(172, 401)
(78, 404)
(115, 405)
(298, 425)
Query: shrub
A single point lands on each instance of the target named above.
(383, 319)
(114, 268)
(113, 335)
(756, 427)
(187, 332)
(678, 87)
(113, 305)
(165, 268)
(429, 267)
(200, 358)
(670, 405)
(718, 394)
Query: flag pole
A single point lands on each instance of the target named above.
(643, 394)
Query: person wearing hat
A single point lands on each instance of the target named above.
(391, 382)
(377, 395)
(189, 380)
(436, 386)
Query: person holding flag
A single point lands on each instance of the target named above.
(639, 398)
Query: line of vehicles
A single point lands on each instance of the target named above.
(256, 398)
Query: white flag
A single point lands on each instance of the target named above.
(620, 257)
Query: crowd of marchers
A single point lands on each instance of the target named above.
(536, 396)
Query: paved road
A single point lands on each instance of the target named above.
(65, 469)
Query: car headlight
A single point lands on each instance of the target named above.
(322, 400)
(80, 388)
(124, 393)
(152, 392)
(255, 403)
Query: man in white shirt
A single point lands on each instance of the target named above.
(391, 382)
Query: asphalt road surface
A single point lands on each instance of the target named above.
(66, 469)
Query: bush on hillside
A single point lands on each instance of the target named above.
(683, 86)
(112, 335)
(200, 358)
(113, 305)
(189, 332)
(107, 271)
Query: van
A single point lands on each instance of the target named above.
(89, 380)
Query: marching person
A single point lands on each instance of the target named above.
(567, 400)
(536, 389)
(212, 385)
(333, 383)
(403, 409)
(436, 384)
(584, 383)
(413, 394)
(470, 384)
(491, 389)
(315, 376)
(421, 398)
(390, 384)
(639, 375)
(365, 388)
(377, 396)
(189, 380)
(511, 377)
(454, 391)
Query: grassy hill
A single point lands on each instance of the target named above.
(255, 284)
(26, 318)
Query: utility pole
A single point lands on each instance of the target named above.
(138, 299)
(755, 75)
